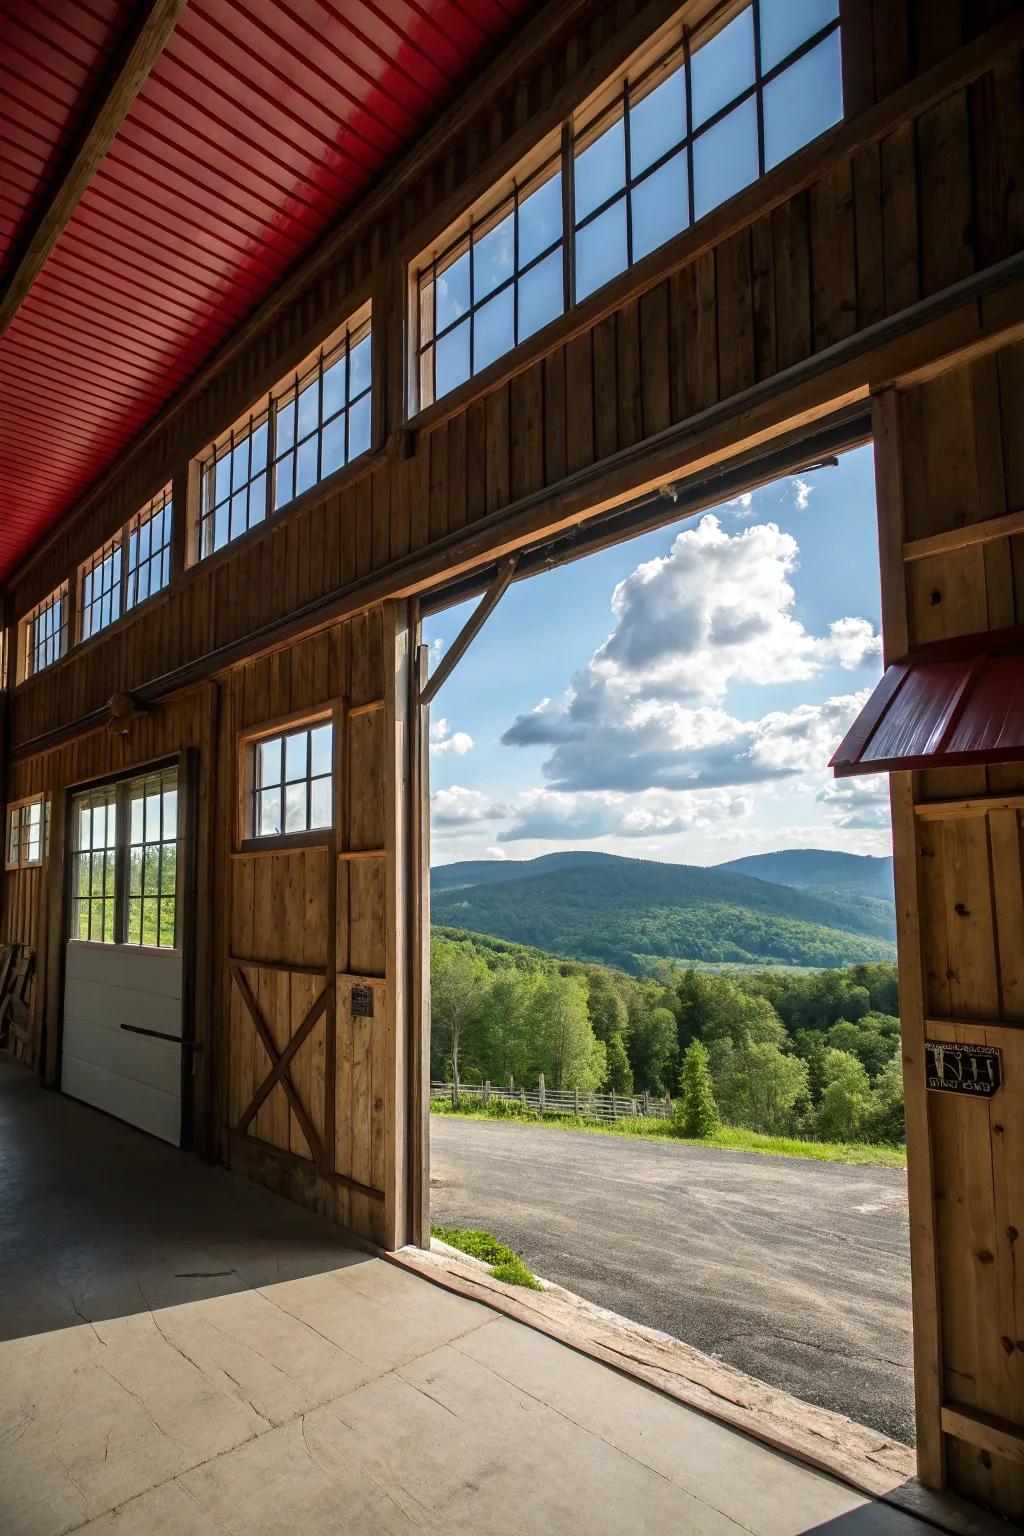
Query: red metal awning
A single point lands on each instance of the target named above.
(954, 704)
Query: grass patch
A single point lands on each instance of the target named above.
(730, 1138)
(505, 1265)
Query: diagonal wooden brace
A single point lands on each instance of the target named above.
(280, 1062)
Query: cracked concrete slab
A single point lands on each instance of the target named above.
(183, 1354)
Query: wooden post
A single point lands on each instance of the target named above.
(540, 1091)
(486, 1092)
(576, 1093)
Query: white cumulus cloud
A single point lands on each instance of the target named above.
(446, 743)
(459, 806)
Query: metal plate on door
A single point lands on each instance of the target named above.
(972, 1069)
(362, 1002)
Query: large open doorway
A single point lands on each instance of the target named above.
(648, 894)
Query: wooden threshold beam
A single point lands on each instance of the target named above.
(145, 40)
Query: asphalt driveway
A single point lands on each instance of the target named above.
(796, 1272)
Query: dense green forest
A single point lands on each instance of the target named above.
(632, 913)
(813, 1055)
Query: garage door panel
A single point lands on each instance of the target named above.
(111, 1007)
(141, 970)
(155, 1063)
(137, 1103)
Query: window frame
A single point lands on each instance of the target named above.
(120, 544)
(120, 790)
(265, 410)
(671, 48)
(247, 840)
(27, 647)
(15, 808)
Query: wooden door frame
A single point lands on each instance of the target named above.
(186, 762)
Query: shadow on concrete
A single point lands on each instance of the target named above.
(99, 1220)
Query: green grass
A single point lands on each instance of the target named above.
(505, 1265)
(730, 1138)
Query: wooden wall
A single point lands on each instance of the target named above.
(312, 923)
(760, 286)
(950, 472)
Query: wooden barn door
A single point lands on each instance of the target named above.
(950, 485)
(315, 970)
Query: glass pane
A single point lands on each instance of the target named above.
(723, 68)
(135, 810)
(220, 527)
(321, 744)
(657, 122)
(240, 464)
(223, 477)
(239, 509)
(359, 427)
(169, 870)
(451, 293)
(269, 762)
(601, 250)
(258, 500)
(284, 422)
(258, 459)
(167, 923)
(493, 257)
(295, 808)
(320, 803)
(309, 408)
(306, 465)
(151, 871)
(134, 921)
(540, 219)
(170, 813)
(725, 159)
(785, 24)
(332, 448)
(269, 824)
(660, 206)
(452, 359)
(135, 872)
(284, 480)
(296, 757)
(153, 810)
(359, 368)
(334, 388)
(494, 330)
(540, 294)
(600, 171)
(803, 101)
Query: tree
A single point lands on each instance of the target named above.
(620, 1073)
(856, 1004)
(758, 1086)
(696, 1113)
(459, 982)
(608, 1012)
(886, 1120)
(510, 1027)
(845, 1098)
(571, 1054)
(652, 1041)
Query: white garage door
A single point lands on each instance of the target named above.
(123, 1018)
(110, 992)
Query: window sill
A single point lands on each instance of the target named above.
(287, 842)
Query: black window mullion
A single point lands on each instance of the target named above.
(348, 391)
(271, 473)
(121, 864)
(515, 263)
(629, 173)
(320, 418)
(759, 83)
(472, 305)
(568, 219)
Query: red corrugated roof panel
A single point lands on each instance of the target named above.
(260, 124)
(949, 705)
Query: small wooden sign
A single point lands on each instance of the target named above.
(972, 1069)
(362, 1002)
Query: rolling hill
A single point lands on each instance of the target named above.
(820, 869)
(629, 912)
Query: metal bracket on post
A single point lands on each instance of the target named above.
(481, 613)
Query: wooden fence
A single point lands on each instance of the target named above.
(549, 1101)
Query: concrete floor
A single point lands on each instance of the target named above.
(181, 1352)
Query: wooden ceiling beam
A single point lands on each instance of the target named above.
(146, 37)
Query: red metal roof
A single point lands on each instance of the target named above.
(949, 705)
(261, 122)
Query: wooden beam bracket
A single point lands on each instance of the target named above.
(469, 631)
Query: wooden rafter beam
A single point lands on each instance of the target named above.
(147, 34)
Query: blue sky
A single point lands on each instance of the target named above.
(676, 697)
